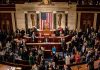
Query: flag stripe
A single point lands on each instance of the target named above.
(46, 19)
(49, 20)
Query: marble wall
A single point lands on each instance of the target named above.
(62, 6)
(20, 19)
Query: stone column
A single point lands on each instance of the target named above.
(66, 18)
(26, 21)
(37, 20)
(95, 20)
(79, 19)
(13, 21)
(54, 22)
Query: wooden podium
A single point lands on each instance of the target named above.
(47, 32)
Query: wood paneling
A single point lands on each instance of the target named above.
(86, 20)
(98, 21)
(7, 7)
(6, 22)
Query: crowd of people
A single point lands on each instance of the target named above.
(88, 2)
(83, 47)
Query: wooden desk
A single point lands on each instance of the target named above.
(75, 67)
(7, 67)
(47, 46)
(85, 66)
(50, 39)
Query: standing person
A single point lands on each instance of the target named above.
(83, 49)
(35, 67)
(49, 66)
(54, 66)
(91, 64)
(55, 58)
(33, 36)
(54, 50)
(8, 46)
(31, 59)
(67, 59)
(77, 57)
(66, 32)
(63, 45)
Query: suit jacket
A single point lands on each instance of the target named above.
(57, 33)
(91, 64)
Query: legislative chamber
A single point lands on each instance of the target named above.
(49, 35)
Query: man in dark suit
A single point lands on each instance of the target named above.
(91, 64)
(57, 33)
(63, 45)
(66, 31)
(22, 32)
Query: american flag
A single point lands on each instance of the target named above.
(46, 19)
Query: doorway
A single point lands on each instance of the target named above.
(6, 22)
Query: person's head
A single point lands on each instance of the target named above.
(53, 63)
(35, 65)
(54, 47)
(91, 27)
(65, 66)
(21, 49)
(25, 49)
(49, 63)
(30, 53)
(33, 33)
